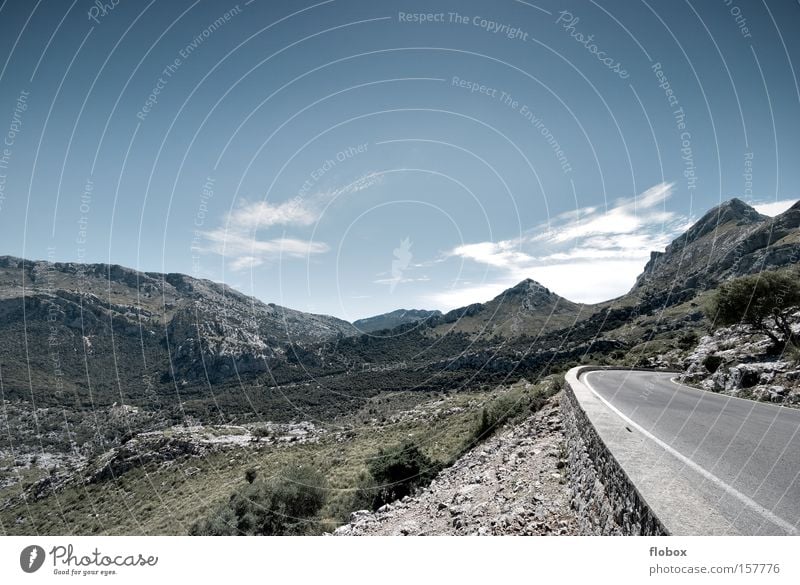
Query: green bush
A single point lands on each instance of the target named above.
(261, 433)
(764, 302)
(514, 406)
(287, 504)
(712, 362)
(687, 340)
(395, 472)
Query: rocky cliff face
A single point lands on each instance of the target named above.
(730, 240)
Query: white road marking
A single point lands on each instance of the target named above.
(789, 528)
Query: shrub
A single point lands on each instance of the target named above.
(514, 406)
(764, 302)
(793, 355)
(285, 505)
(712, 362)
(261, 433)
(394, 473)
(687, 340)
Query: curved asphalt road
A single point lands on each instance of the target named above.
(742, 457)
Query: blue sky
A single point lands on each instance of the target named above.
(353, 157)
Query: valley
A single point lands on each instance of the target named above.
(142, 403)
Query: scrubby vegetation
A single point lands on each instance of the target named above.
(287, 504)
(395, 472)
(514, 406)
(764, 302)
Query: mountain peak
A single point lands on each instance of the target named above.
(733, 210)
(528, 286)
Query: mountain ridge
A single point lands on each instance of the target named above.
(140, 330)
(392, 319)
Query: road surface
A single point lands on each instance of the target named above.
(741, 457)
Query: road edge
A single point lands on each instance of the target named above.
(605, 497)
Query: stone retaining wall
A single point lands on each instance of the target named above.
(602, 494)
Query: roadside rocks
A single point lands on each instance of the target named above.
(514, 483)
(733, 362)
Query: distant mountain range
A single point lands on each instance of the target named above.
(393, 319)
(87, 335)
(121, 331)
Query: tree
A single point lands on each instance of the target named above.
(764, 302)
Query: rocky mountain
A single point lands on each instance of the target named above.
(525, 309)
(92, 335)
(730, 240)
(169, 380)
(393, 319)
(97, 332)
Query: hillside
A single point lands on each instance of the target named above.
(126, 332)
(120, 378)
(393, 319)
(145, 338)
(730, 240)
(525, 309)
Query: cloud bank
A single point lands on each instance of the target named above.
(587, 255)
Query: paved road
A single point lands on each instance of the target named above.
(743, 457)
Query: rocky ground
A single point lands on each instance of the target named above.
(731, 361)
(165, 447)
(513, 483)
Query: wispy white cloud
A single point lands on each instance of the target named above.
(400, 280)
(244, 251)
(257, 214)
(774, 208)
(503, 254)
(463, 293)
(587, 255)
(238, 240)
(299, 211)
